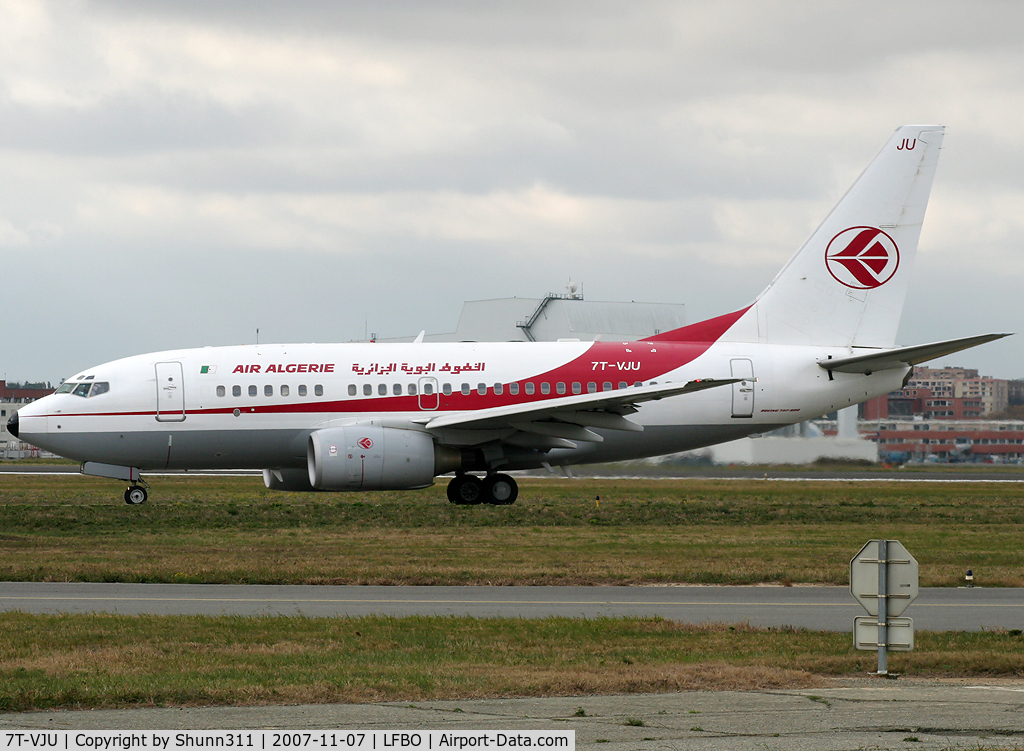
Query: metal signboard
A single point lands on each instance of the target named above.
(899, 634)
(901, 576)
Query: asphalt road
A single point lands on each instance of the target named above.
(815, 608)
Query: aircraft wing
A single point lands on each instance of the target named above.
(903, 356)
(554, 423)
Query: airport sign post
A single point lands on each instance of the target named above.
(884, 579)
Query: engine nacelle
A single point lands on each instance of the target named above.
(361, 457)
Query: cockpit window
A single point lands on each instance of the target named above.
(85, 389)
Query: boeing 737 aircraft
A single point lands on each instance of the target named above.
(371, 416)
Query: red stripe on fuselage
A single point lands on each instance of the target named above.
(602, 362)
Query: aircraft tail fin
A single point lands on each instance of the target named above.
(847, 284)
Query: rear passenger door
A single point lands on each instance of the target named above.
(743, 391)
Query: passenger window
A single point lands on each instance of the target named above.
(481, 388)
(638, 384)
(284, 391)
(268, 390)
(236, 391)
(576, 387)
(412, 389)
(318, 390)
(560, 387)
(498, 389)
(513, 388)
(606, 386)
(351, 389)
(302, 390)
(465, 389)
(529, 388)
(545, 388)
(252, 391)
(382, 389)
(446, 389)
(428, 389)
(591, 387)
(221, 391)
(396, 389)
(367, 389)
(623, 385)
(100, 387)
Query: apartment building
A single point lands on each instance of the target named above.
(942, 394)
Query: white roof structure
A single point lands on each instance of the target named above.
(547, 319)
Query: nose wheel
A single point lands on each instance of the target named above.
(135, 495)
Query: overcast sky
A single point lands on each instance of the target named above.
(179, 174)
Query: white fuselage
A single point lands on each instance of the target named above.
(255, 406)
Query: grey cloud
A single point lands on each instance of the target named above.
(141, 122)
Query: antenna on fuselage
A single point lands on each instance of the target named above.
(257, 336)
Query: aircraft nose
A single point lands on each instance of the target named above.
(12, 425)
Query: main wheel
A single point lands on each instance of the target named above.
(465, 490)
(135, 495)
(500, 490)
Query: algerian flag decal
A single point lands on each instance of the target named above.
(208, 369)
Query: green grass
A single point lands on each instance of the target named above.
(82, 661)
(233, 530)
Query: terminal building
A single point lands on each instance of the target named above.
(990, 441)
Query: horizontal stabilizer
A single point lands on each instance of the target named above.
(902, 357)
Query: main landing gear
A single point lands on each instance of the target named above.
(496, 489)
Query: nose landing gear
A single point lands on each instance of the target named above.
(135, 495)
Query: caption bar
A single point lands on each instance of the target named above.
(125, 740)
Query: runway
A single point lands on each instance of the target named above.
(815, 608)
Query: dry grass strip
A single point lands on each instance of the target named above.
(109, 661)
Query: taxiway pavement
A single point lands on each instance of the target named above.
(815, 608)
(839, 716)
